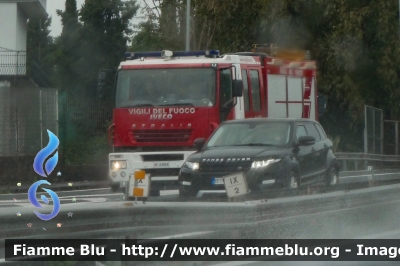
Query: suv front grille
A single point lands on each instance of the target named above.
(225, 167)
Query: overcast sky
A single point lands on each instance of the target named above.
(53, 5)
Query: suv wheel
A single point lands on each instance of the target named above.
(332, 177)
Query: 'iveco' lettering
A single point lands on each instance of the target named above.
(162, 113)
(161, 116)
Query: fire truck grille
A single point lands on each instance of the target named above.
(162, 135)
(162, 157)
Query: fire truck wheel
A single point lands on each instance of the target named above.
(115, 187)
(185, 193)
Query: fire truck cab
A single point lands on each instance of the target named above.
(165, 100)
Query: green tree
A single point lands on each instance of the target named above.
(226, 25)
(68, 51)
(147, 38)
(162, 28)
(105, 32)
(356, 46)
(40, 49)
(92, 38)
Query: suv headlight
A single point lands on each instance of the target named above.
(190, 165)
(264, 163)
(115, 165)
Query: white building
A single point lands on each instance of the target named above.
(26, 110)
(14, 15)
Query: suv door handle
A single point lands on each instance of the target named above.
(312, 149)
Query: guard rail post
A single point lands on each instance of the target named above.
(371, 177)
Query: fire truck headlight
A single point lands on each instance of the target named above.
(190, 165)
(116, 165)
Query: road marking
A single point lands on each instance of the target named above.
(183, 235)
(380, 235)
(63, 191)
(87, 197)
(168, 192)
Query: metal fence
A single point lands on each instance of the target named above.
(373, 130)
(25, 116)
(83, 128)
(12, 63)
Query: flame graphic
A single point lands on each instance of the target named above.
(44, 153)
(32, 198)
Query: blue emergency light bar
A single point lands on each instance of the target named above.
(136, 55)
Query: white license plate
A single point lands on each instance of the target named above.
(217, 181)
(161, 165)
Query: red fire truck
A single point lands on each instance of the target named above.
(167, 99)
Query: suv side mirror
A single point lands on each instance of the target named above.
(237, 88)
(306, 140)
(199, 143)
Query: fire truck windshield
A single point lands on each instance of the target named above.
(163, 87)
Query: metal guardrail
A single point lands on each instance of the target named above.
(367, 157)
(58, 186)
(237, 219)
(338, 216)
(364, 159)
(149, 216)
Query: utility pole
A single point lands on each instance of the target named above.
(188, 25)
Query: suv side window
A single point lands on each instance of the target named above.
(301, 131)
(312, 131)
(321, 131)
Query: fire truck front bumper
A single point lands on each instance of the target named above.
(163, 167)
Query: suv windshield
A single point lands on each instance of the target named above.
(158, 87)
(251, 134)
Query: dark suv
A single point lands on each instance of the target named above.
(272, 153)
